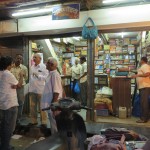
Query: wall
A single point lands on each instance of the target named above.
(11, 46)
(8, 27)
(122, 18)
(105, 19)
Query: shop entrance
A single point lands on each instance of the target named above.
(113, 52)
(116, 55)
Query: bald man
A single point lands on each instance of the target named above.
(53, 90)
(38, 75)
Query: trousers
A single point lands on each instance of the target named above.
(145, 105)
(7, 126)
(21, 99)
(35, 102)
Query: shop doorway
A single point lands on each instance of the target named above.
(112, 51)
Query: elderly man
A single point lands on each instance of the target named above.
(16, 69)
(143, 83)
(53, 91)
(38, 75)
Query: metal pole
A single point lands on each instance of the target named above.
(90, 79)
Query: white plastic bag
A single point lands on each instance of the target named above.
(107, 91)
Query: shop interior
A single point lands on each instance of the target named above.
(113, 52)
(116, 55)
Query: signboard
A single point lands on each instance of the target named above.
(70, 11)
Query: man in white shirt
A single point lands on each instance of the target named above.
(38, 75)
(8, 102)
(83, 81)
(15, 70)
(53, 91)
(76, 72)
(143, 84)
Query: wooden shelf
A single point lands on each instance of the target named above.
(68, 52)
(116, 59)
(123, 53)
(80, 46)
(98, 60)
(67, 57)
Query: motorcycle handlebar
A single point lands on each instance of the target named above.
(85, 107)
(81, 107)
(48, 108)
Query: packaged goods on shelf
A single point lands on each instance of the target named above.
(113, 48)
(106, 47)
(67, 55)
(131, 48)
(113, 67)
(112, 72)
(100, 71)
(118, 49)
(96, 66)
(101, 57)
(96, 80)
(77, 53)
(126, 41)
(78, 48)
(84, 52)
(119, 42)
(112, 42)
(100, 67)
(34, 45)
(84, 48)
(96, 72)
(100, 52)
(133, 40)
(100, 47)
(100, 62)
(112, 52)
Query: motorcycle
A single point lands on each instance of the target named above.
(71, 127)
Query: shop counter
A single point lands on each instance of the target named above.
(121, 87)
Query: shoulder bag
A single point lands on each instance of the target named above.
(89, 32)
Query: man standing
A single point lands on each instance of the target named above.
(143, 84)
(8, 102)
(16, 69)
(75, 71)
(53, 91)
(83, 81)
(38, 75)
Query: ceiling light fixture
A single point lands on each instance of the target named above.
(57, 40)
(122, 34)
(112, 1)
(76, 38)
(143, 34)
(31, 12)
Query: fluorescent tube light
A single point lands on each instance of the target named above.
(57, 40)
(143, 34)
(122, 34)
(76, 38)
(31, 12)
(112, 1)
